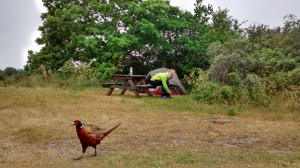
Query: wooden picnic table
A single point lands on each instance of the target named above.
(125, 82)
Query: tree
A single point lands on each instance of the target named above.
(143, 34)
(262, 36)
(291, 37)
(224, 27)
(10, 71)
(63, 20)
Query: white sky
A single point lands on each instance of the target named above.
(19, 23)
(268, 12)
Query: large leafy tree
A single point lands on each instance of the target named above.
(120, 33)
(64, 20)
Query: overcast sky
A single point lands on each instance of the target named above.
(20, 20)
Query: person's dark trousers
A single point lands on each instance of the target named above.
(159, 83)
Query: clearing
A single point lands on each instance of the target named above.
(36, 131)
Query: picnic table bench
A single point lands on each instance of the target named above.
(135, 83)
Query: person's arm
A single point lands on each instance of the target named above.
(164, 83)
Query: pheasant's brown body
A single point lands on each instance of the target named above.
(90, 135)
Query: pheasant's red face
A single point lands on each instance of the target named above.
(76, 122)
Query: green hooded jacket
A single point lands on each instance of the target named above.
(163, 77)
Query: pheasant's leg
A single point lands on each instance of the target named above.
(95, 151)
(83, 151)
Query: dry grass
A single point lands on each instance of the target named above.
(36, 131)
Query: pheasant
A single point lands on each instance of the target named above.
(90, 135)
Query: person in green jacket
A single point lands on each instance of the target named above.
(162, 79)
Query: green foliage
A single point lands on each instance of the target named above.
(256, 63)
(276, 82)
(215, 93)
(76, 74)
(10, 71)
(144, 34)
(198, 79)
(15, 79)
(231, 112)
(228, 58)
(270, 61)
(207, 94)
(262, 36)
(219, 62)
(224, 27)
(104, 71)
(228, 94)
(256, 90)
(234, 79)
(68, 71)
(211, 92)
(223, 65)
(294, 76)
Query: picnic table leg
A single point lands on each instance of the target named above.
(135, 90)
(110, 91)
(124, 90)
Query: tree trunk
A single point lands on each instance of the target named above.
(44, 71)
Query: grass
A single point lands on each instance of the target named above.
(36, 130)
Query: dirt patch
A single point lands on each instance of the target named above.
(233, 142)
(219, 120)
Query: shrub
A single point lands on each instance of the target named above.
(207, 94)
(294, 76)
(104, 71)
(215, 93)
(9, 71)
(256, 91)
(211, 92)
(234, 79)
(77, 75)
(276, 82)
(231, 112)
(223, 65)
(229, 94)
(286, 64)
(68, 71)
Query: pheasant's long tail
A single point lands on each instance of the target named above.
(110, 130)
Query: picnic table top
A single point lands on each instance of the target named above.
(127, 75)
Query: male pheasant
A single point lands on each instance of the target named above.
(90, 135)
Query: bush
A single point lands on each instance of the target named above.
(9, 71)
(104, 71)
(76, 75)
(286, 64)
(294, 76)
(276, 82)
(234, 79)
(207, 94)
(256, 91)
(68, 71)
(215, 93)
(223, 65)
(231, 112)
(228, 95)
